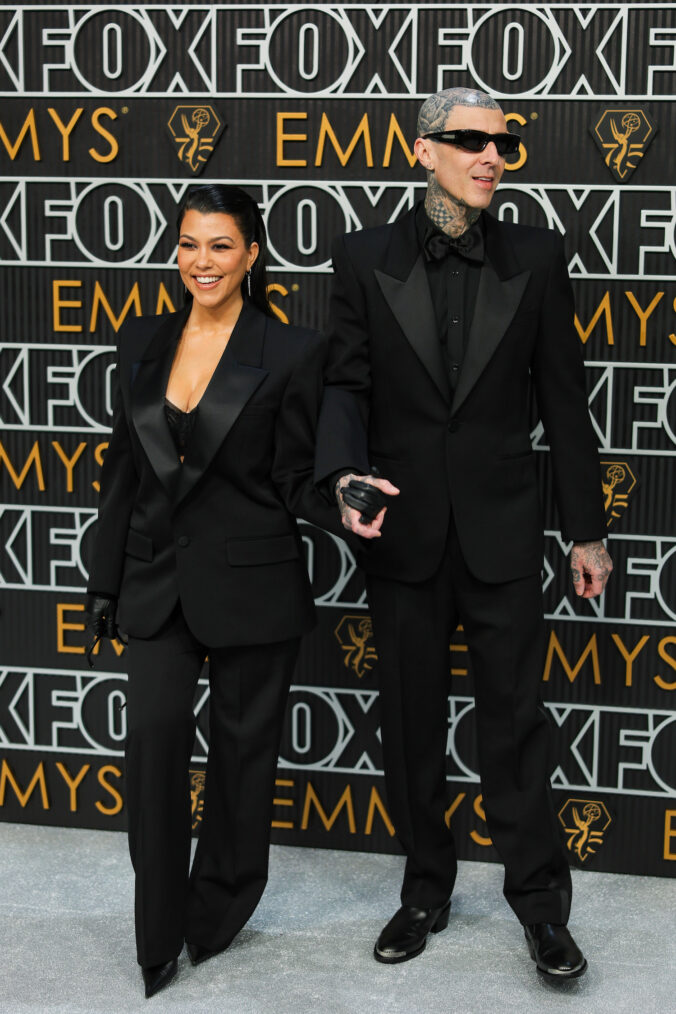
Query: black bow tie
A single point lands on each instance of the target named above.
(436, 244)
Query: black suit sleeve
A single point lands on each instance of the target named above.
(119, 482)
(343, 421)
(295, 432)
(559, 378)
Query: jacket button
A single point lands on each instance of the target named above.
(183, 540)
(453, 426)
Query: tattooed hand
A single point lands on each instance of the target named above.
(350, 516)
(590, 567)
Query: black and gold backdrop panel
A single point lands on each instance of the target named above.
(107, 114)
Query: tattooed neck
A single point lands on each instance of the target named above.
(447, 212)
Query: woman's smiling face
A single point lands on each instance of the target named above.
(213, 258)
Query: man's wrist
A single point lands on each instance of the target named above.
(336, 481)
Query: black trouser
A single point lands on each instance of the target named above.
(504, 630)
(249, 688)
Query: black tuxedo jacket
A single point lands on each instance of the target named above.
(218, 531)
(389, 404)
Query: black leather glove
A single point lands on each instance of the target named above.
(364, 497)
(101, 621)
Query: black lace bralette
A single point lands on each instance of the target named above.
(181, 425)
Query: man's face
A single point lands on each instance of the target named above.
(470, 177)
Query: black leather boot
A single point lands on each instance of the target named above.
(554, 951)
(406, 933)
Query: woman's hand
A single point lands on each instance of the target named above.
(101, 621)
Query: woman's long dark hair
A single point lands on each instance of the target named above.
(224, 199)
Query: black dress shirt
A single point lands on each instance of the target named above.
(453, 282)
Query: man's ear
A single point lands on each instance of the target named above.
(422, 148)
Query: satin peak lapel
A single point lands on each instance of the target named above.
(151, 375)
(497, 301)
(411, 303)
(234, 381)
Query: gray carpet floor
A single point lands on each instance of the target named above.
(67, 940)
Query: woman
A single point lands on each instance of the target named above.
(209, 461)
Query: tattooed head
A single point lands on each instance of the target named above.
(460, 182)
(435, 110)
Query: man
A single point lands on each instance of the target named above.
(443, 325)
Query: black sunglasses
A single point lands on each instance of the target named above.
(477, 140)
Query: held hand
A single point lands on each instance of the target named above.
(355, 519)
(101, 622)
(590, 567)
(364, 497)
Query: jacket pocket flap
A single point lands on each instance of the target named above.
(250, 552)
(139, 545)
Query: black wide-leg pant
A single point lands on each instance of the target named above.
(504, 630)
(209, 904)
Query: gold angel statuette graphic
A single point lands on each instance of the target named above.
(200, 117)
(584, 842)
(614, 474)
(355, 635)
(197, 780)
(631, 123)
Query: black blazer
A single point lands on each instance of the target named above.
(389, 404)
(218, 531)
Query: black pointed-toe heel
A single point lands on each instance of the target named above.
(156, 977)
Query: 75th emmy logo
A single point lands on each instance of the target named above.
(585, 822)
(623, 136)
(618, 483)
(194, 131)
(355, 635)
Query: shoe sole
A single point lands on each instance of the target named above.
(397, 959)
(556, 976)
(575, 973)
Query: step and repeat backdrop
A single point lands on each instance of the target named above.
(108, 113)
